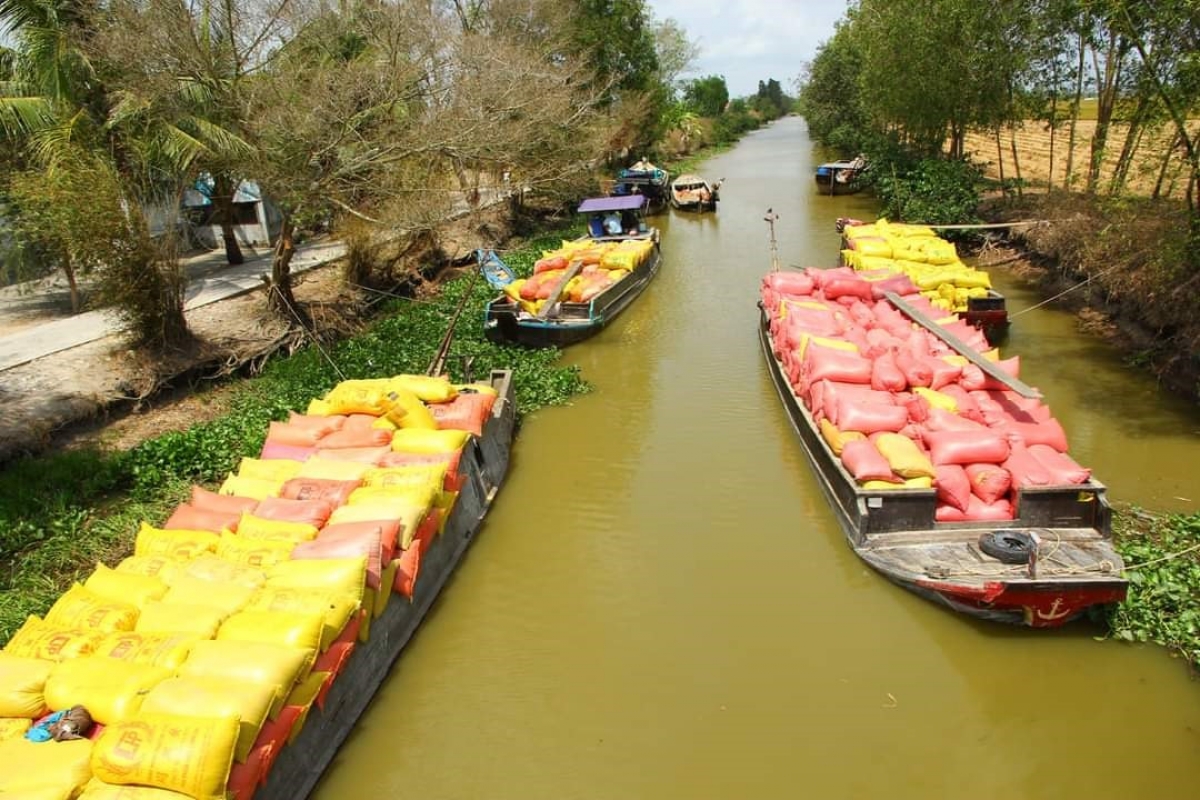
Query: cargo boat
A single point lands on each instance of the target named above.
(481, 470)
(1061, 535)
(563, 323)
(989, 313)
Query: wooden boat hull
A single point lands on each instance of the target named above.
(300, 764)
(893, 531)
(826, 185)
(579, 321)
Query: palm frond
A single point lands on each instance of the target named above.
(221, 141)
(55, 145)
(24, 116)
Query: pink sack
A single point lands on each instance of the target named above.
(942, 374)
(952, 485)
(355, 437)
(1026, 470)
(347, 546)
(900, 284)
(886, 376)
(916, 372)
(226, 504)
(335, 493)
(275, 450)
(363, 455)
(967, 407)
(1062, 468)
(847, 287)
(319, 423)
(190, 518)
(389, 534)
(1049, 433)
(939, 419)
(868, 417)
(789, 283)
(823, 276)
(977, 511)
(310, 512)
(356, 422)
(988, 481)
(866, 463)
(827, 363)
(967, 447)
(834, 391)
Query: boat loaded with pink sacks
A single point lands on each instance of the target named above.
(947, 473)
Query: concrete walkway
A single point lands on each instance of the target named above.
(210, 281)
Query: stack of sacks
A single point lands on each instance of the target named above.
(211, 642)
(604, 264)
(929, 262)
(900, 408)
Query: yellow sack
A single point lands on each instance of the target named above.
(254, 488)
(513, 290)
(191, 755)
(22, 681)
(319, 408)
(228, 597)
(431, 475)
(221, 570)
(156, 649)
(38, 639)
(333, 469)
(406, 410)
(420, 496)
(194, 696)
(835, 438)
(343, 576)
(991, 355)
(36, 770)
(124, 586)
(833, 344)
(956, 360)
(109, 689)
(253, 553)
(873, 248)
(357, 397)
(250, 662)
(911, 483)
(99, 790)
(179, 545)
(815, 305)
(973, 279)
(160, 567)
(82, 609)
(903, 455)
(335, 610)
(202, 621)
(291, 628)
(425, 387)
(425, 442)
(937, 399)
(14, 727)
(252, 527)
(269, 469)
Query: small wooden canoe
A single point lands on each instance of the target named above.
(694, 193)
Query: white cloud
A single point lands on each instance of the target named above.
(749, 41)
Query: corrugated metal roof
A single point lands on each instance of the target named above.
(626, 203)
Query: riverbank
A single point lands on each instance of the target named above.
(62, 512)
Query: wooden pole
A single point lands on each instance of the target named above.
(572, 270)
(958, 345)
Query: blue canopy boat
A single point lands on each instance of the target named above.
(559, 322)
(645, 179)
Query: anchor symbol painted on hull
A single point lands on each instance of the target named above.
(1054, 612)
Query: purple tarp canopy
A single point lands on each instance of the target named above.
(626, 203)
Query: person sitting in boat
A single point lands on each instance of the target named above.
(612, 224)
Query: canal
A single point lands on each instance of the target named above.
(662, 606)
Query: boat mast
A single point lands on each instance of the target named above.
(770, 219)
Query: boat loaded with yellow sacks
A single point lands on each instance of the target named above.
(232, 653)
(946, 472)
(883, 249)
(578, 289)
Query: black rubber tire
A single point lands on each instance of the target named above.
(1010, 547)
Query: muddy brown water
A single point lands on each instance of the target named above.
(661, 604)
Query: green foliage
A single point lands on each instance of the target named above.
(932, 191)
(1163, 605)
(60, 514)
(831, 98)
(708, 95)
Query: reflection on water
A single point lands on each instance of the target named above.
(661, 605)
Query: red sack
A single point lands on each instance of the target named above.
(294, 435)
(866, 463)
(405, 582)
(847, 287)
(211, 501)
(317, 422)
(389, 534)
(916, 372)
(1049, 433)
(1062, 468)
(900, 284)
(187, 517)
(988, 481)
(466, 412)
(826, 363)
(886, 376)
(335, 493)
(547, 264)
(822, 276)
(355, 437)
(967, 447)
(868, 417)
(287, 452)
(1026, 470)
(977, 511)
(283, 509)
(952, 485)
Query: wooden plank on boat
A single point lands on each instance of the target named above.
(572, 270)
(988, 367)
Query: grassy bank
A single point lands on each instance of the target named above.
(60, 513)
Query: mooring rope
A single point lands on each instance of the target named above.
(1083, 282)
(308, 333)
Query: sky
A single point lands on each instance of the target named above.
(752, 40)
